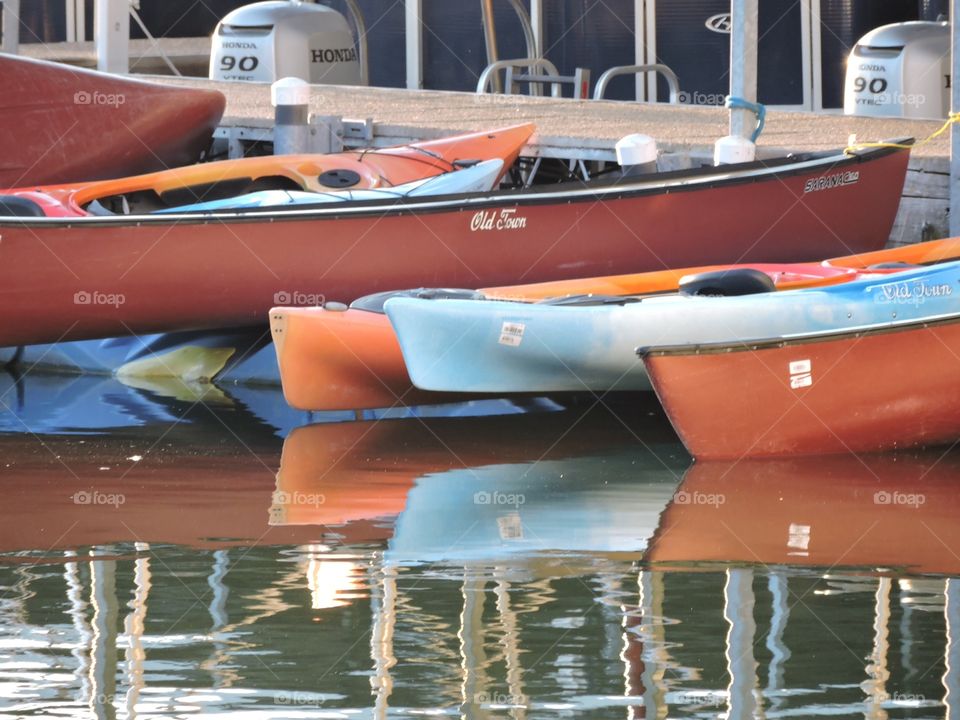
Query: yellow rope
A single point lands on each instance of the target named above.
(951, 119)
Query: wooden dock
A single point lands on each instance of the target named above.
(588, 130)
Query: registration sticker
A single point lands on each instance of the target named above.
(800, 374)
(511, 333)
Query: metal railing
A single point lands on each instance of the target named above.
(672, 81)
(543, 72)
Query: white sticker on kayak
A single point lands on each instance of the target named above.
(800, 374)
(511, 333)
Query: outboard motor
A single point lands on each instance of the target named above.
(900, 70)
(266, 41)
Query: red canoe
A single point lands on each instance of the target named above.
(61, 124)
(883, 388)
(74, 278)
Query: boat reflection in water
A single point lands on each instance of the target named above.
(572, 562)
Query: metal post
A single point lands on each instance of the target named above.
(291, 99)
(71, 8)
(11, 26)
(112, 28)
(536, 22)
(743, 63)
(954, 129)
(490, 38)
(951, 612)
(741, 664)
(414, 36)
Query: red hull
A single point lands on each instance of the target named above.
(154, 274)
(882, 511)
(62, 124)
(873, 391)
(203, 499)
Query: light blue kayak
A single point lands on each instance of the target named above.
(477, 178)
(506, 347)
(602, 504)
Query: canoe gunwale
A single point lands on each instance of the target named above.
(851, 333)
(691, 180)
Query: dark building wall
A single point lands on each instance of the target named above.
(584, 33)
(843, 23)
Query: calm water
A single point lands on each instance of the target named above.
(169, 554)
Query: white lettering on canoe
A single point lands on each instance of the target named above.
(506, 219)
(801, 374)
(828, 182)
(914, 292)
(511, 333)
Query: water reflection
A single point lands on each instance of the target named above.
(571, 563)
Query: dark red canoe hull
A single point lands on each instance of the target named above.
(102, 277)
(62, 124)
(866, 392)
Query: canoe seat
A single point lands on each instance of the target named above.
(374, 302)
(13, 206)
(736, 281)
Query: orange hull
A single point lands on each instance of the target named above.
(375, 168)
(868, 511)
(364, 470)
(344, 360)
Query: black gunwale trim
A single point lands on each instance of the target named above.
(545, 195)
(727, 347)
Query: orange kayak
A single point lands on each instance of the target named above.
(335, 358)
(355, 169)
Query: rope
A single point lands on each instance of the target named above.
(738, 103)
(951, 119)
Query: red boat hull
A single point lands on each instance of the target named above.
(62, 124)
(871, 391)
(154, 273)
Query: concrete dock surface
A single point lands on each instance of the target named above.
(590, 123)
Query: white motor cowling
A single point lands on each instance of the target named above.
(266, 41)
(900, 70)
